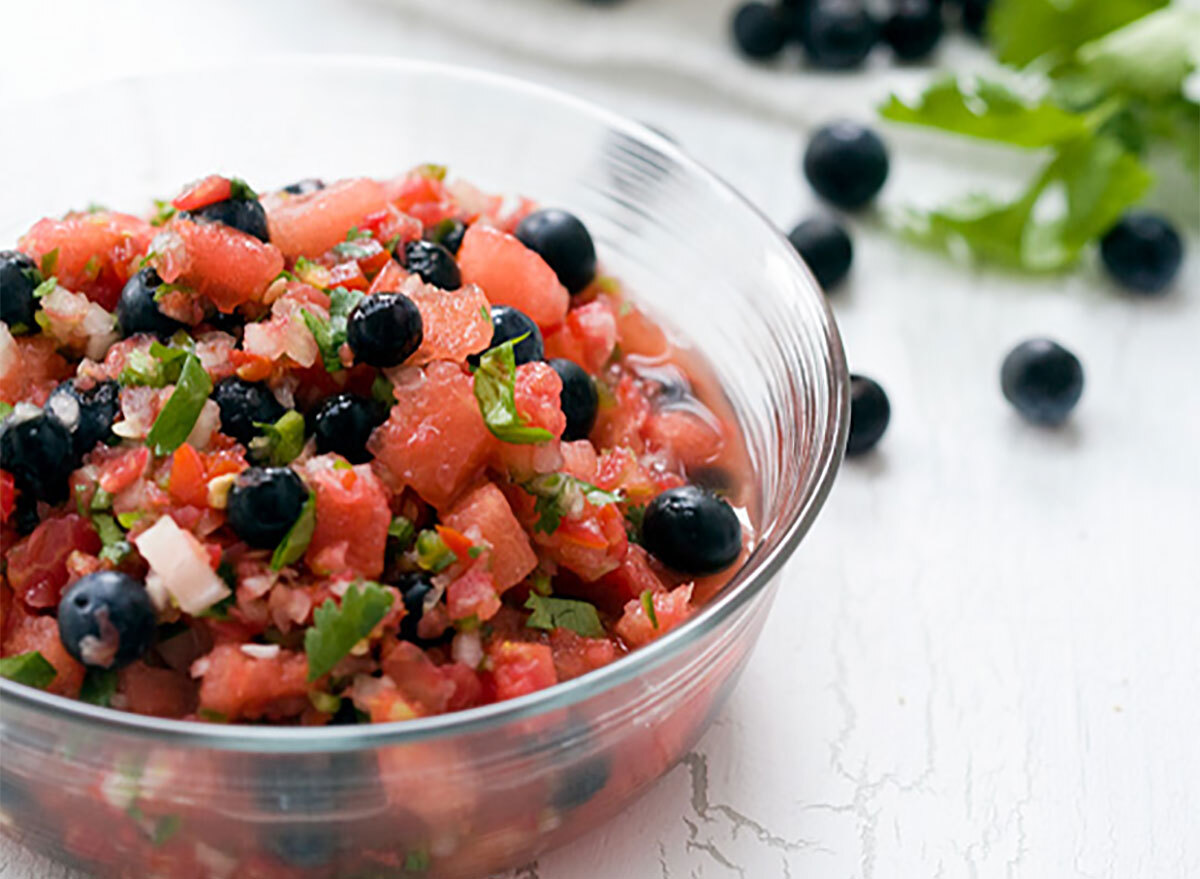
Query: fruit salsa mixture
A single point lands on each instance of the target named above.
(364, 451)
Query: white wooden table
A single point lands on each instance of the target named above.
(984, 662)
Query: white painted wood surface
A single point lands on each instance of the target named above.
(984, 662)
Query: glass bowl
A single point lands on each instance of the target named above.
(462, 794)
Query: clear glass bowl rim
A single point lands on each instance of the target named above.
(746, 585)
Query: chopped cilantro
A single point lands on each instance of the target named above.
(356, 234)
(5, 409)
(560, 494)
(126, 520)
(284, 275)
(337, 627)
(99, 685)
(417, 861)
(391, 244)
(49, 262)
(94, 207)
(155, 368)
(303, 265)
(494, 380)
(633, 522)
(382, 391)
(402, 531)
(432, 553)
(487, 315)
(91, 268)
(30, 669)
(353, 250)
(296, 541)
(163, 212)
(541, 583)
(647, 599)
(325, 702)
(549, 613)
(342, 464)
(432, 171)
(115, 547)
(475, 551)
(178, 416)
(330, 332)
(165, 828)
(240, 189)
(280, 442)
(44, 289)
(444, 227)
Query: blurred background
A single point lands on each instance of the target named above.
(984, 661)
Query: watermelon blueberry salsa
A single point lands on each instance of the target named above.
(343, 453)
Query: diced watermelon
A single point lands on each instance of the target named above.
(473, 594)
(390, 279)
(37, 566)
(575, 655)
(434, 441)
(27, 633)
(512, 274)
(97, 253)
(222, 263)
(30, 369)
(8, 495)
(619, 469)
(519, 668)
(308, 225)
(537, 392)
(236, 685)
(455, 323)
(159, 692)
(631, 579)
(691, 440)
(638, 334)
(202, 193)
(423, 196)
(580, 460)
(352, 518)
(587, 337)
(485, 507)
(670, 609)
(418, 680)
(619, 423)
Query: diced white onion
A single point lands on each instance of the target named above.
(261, 651)
(467, 648)
(179, 559)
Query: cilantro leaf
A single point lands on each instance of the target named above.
(296, 541)
(494, 381)
(988, 110)
(356, 234)
(30, 669)
(178, 416)
(1150, 57)
(551, 613)
(155, 368)
(337, 628)
(1022, 31)
(633, 522)
(99, 686)
(115, 547)
(163, 212)
(44, 289)
(280, 442)
(330, 332)
(353, 250)
(240, 189)
(560, 494)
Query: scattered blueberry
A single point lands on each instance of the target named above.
(824, 245)
(384, 329)
(36, 448)
(913, 28)
(692, 531)
(19, 277)
(242, 405)
(510, 323)
(305, 186)
(1142, 252)
(448, 233)
(137, 312)
(846, 163)
(759, 29)
(1043, 380)
(244, 214)
(343, 424)
(579, 398)
(87, 415)
(106, 620)
(870, 413)
(414, 588)
(25, 515)
(563, 242)
(434, 263)
(264, 503)
(838, 34)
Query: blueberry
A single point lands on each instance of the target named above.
(434, 263)
(760, 30)
(846, 163)
(36, 448)
(692, 531)
(343, 424)
(564, 243)
(88, 415)
(448, 233)
(825, 245)
(1142, 252)
(510, 323)
(106, 620)
(264, 503)
(244, 214)
(913, 28)
(974, 16)
(384, 329)
(137, 312)
(305, 186)
(243, 404)
(870, 413)
(579, 398)
(25, 516)
(1043, 380)
(414, 588)
(838, 34)
(580, 783)
(19, 277)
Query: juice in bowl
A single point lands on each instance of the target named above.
(371, 527)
